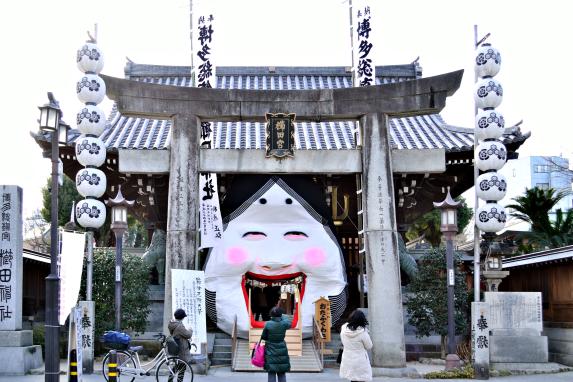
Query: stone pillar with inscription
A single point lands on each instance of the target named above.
(17, 353)
(480, 339)
(382, 263)
(182, 205)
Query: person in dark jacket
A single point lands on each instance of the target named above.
(277, 361)
(182, 335)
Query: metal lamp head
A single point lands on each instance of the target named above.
(448, 212)
(63, 129)
(50, 115)
(119, 206)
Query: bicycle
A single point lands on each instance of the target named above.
(167, 368)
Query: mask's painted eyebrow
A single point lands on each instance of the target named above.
(254, 233)
(296, 233)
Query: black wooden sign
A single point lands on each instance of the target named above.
(280, 135)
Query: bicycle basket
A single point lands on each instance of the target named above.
(115, 340)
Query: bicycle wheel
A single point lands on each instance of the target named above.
(124, 359)
(174, 369)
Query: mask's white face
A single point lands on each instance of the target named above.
(273, 240)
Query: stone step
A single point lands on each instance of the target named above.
(307, 362)
(221, 335)
(223, 341)
(222, 348)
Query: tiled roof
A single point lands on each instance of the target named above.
(420, 132)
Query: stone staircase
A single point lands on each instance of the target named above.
(331, 350)
(307, 362)
(222, 349)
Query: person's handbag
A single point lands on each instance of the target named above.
(258, 355)
(339, 357)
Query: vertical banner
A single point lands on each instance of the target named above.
(188, 293)
(480, 339)
(87, 310)
(70, 270)
(210, 223)
(365, 71)
(11, 258)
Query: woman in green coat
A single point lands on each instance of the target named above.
(277, 361)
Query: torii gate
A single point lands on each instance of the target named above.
(371, 105)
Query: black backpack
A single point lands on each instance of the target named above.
(172, 345)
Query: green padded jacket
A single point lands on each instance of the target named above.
(276, 352)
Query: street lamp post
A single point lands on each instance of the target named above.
(449, 227)
(119, 207)
(50, 115)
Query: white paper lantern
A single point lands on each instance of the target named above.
(90, 213)
(90, 89)
(488, 61)
(91, 120)
(491, 186)
(90, 58)
(488, 93)
(489, 124)
(91, 182)
(491, 155)
(491, 217)
(90, 151)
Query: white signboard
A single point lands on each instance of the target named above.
(11, 258)
(188, 293)
(71, 264)
(211, 224)
(480, 339)
(87, 309)
(79, 335)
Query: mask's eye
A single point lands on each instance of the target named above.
(254, 235)
(295, 235)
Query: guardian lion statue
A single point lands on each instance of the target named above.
(154, 256)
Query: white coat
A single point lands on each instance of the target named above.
(355, 364)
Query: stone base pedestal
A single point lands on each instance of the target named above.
(395, 372)
(17, 353)
(155, 317)
(518, 349)
(452, 361)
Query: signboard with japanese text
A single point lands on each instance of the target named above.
(188, 293)
(480, 327)
(280, 135)
(322, 316)
(87, 309)
(70, 271)
(11, 258)
(210, 222)
(75, 342)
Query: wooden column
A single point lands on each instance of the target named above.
(182, 202)
(382, 262)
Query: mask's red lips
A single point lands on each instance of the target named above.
(260, 280)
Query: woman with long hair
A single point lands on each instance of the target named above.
(355, 364)
(277, 361)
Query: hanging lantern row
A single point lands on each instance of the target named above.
(90, 149)
(490, 153)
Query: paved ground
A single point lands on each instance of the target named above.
(225, 374)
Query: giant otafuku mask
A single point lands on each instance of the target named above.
(276, 233)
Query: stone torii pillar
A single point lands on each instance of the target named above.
(372, 105)
(381, 242)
